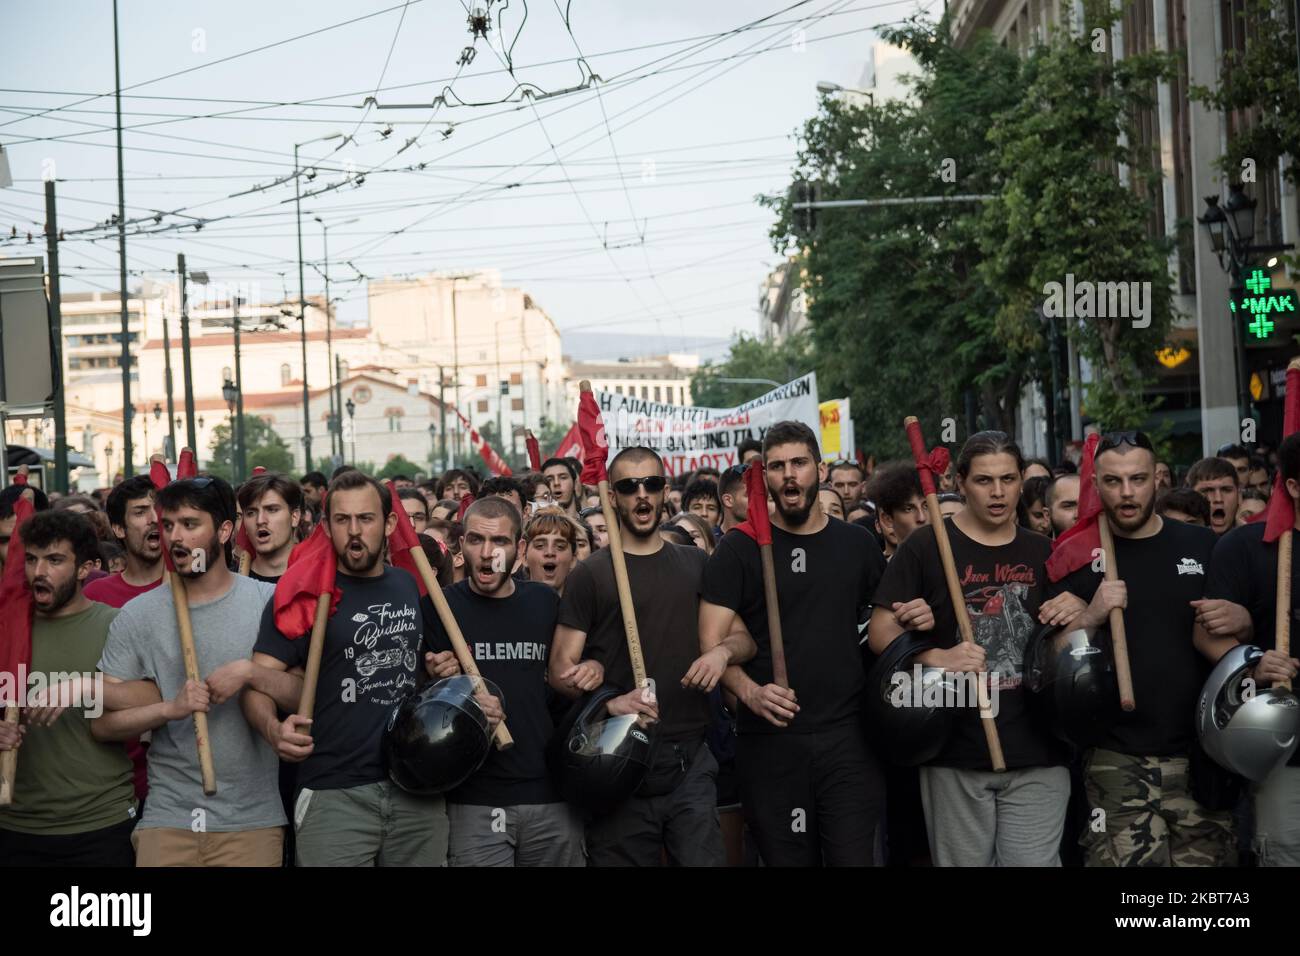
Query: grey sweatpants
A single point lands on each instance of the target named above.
(982, 818)
(536, 834)
(376, 824)
(1277, 818)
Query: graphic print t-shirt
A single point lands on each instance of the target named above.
(1164, 574)
(372, 651)
(1003, 587)
(510, 639)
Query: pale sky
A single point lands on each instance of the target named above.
(624, 207)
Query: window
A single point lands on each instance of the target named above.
(482, 406)
(618, 389)
(516, 378)
(657, 393)
(285, 375)
(645, 391)
(480, 381)
(516, 404)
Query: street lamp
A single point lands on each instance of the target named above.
(108, 462)
(302, 294)
(352, 423)
(829, 88)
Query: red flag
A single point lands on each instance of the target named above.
(1280, 511)
(16, 600)
(496, 464)
(570, 445)
(465, 501)
(310, 573)
(187, 467)
(402, 540)
(161, 478)
(758, 523)
(594, 441)
(1075, 549)
(534, 452)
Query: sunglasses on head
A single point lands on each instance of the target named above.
(652, 483)
(1113, 440)
(588, 512)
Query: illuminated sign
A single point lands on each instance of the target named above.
(1263, 307)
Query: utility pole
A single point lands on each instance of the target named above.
(302, 315)
(329, 342)
(128, 467)
(191, 438)
(241, 459)
(56, 336)
(167, 381)
(455, 346)
(442, 417)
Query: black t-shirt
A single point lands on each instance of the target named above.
(269, 579)
(1244, 571)
(1164, 574)
(1003, 586)
(824, 584)
(665, 594)
(369, 664)
(510, 639)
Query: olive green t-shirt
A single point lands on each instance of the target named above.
(67, 781)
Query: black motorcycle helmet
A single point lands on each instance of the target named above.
(598, 761)
(1071, 679)
(903, 728)
(438, 736)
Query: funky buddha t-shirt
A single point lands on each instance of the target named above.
(372, 650)
(1003, 587)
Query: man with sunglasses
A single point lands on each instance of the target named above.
(676, 808)
(1138, 774)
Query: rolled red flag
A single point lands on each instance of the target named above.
(758, 523)
(1079, 546)
(929, 465)
(312, 565)
(595, 444)
(465, 501)
(161, 478)
(186, 467)
(534, 452)
(402, 540)
(16, 600)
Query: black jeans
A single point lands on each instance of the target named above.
(110, 846)
(682, 823)
(811, 799)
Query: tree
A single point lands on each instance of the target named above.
(398, 465)
(262, 447)
(751, 357)
(901, 315)
(1063, 212)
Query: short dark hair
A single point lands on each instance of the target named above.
(501, 485)
(109, 552)
(284, 486)
(1034, 489)
(209, 494)
(46, 528)
(830, 489)
(988, 443)
(790, 432)
(846, 463)
(566, 462)
(133, 489)
(1186, 500)
(701, 488)
(351, 481)
(1254, 494)
(1049, 493)
(733, 476)
(678, 534)
(1232, 451)
(315, 478)
(1256, 463)
(14, 492)
(71, 501)
(893, 485)
(1288, 456)
(451, 474)
(341, 469)
(1041, 462)
(397, 478)
(413, 494)
(634, 454)
(749, 444)
(491, 506)
(1210, 469)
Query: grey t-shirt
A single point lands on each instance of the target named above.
(144, 644)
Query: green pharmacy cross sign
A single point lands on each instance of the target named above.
(1263, 305)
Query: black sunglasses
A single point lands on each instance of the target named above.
(652, 483)
(588, 512)
(1113, 440)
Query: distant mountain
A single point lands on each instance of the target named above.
(591, 346)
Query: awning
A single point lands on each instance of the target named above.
(22, 455)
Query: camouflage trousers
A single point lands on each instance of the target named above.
(1142, 814)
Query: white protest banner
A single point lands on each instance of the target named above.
(689, 436)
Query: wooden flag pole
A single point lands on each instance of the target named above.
(1118, 640)
(776, 640)
(958, 600)
(316, 647)
(502, 737)
(620, 576)
(186, 627)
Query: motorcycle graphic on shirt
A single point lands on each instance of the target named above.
(1000, 620)
(384, 651)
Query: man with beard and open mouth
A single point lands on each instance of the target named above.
(134, 521)
(1215, 479)
(270, 505)
(509, 812)
(347, 811)
(812, 792)
(74, 804)
(1138, 774)
(146, 689)
(675, 810)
